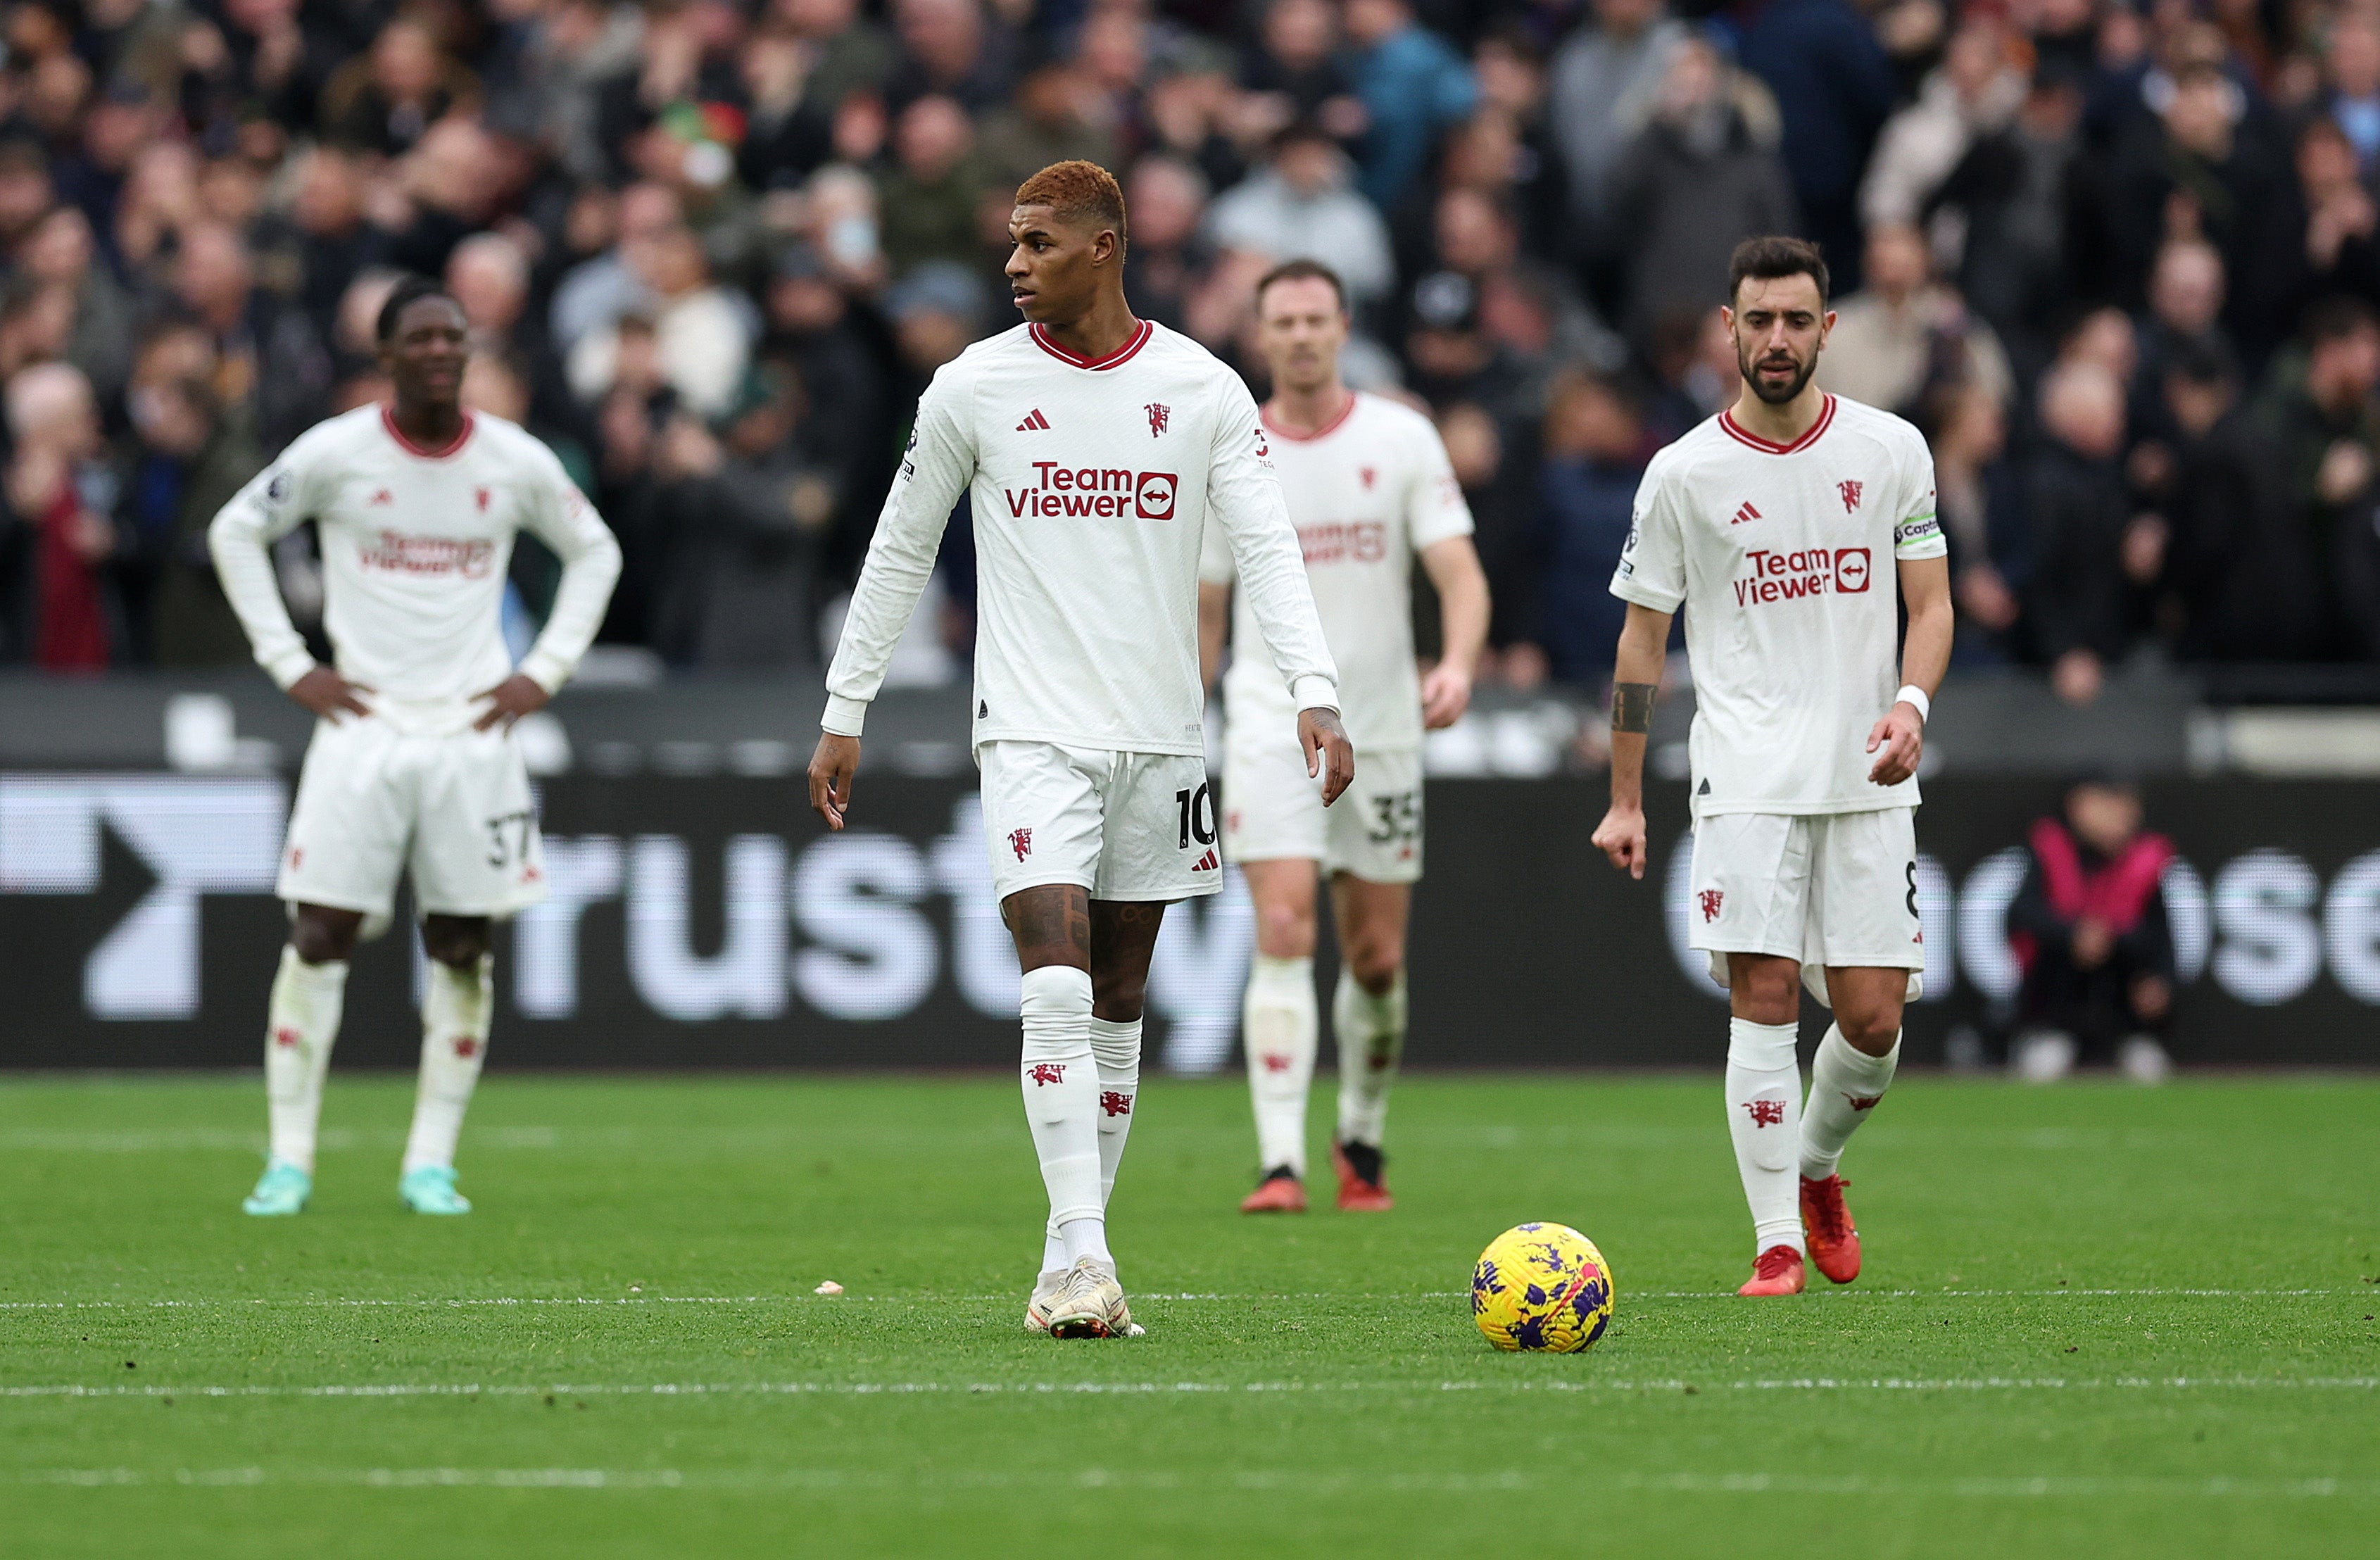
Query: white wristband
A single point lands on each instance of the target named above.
(1912, 694)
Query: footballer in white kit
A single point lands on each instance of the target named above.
(1783, 527)
(1370, 489)
(1097, 452)
(413, 768)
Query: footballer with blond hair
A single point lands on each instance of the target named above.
(1099, 451)
(1370, 490)
(1772, 525)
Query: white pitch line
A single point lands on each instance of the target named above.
(869, 1389)
(1827, 1296)
(2035, 1487)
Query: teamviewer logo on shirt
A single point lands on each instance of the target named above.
(1802, 572)
(1152, 498)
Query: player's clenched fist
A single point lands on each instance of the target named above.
(1621, 836)
(1898, 741)
(831, 770)
(1328, 752)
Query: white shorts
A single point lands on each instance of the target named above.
(1124, 825)
(374, 802)
(1835, 890)
(1272, 809)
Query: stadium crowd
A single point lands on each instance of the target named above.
(2121, 266)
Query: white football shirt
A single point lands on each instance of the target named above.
(415, 547)
(1093, 486)
(1782, 555)
(1366, 492)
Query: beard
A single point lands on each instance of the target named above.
(1760, 387)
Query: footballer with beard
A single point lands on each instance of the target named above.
(1770, 524)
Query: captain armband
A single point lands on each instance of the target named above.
(1632, 706)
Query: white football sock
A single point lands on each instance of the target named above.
(1278, 1024)
(456, 1013)
(1060, 1084)
(1845, 1084)
(1115, 1048)
(1371, 1034)
(301, 1025)
(1763, 1117)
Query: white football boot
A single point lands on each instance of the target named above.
(1044, 1295)
(1089, 1303)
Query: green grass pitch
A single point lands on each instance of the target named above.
(2095, 1321)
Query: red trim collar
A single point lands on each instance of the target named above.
(1042, 339)
(1324, 432)
(388, 421)
(1735, 430)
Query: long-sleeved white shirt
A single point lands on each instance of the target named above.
(1092, 487)
(415, 547)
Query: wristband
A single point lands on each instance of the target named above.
(1912, 694)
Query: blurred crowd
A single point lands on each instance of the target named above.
(2121, 266)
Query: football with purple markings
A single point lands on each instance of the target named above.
(1541, 1289)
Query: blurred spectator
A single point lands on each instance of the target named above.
(267, 354)
(62, 606)
(1975, 92)
(489, 275)
(2195, 170)
(1045, 125)
(1903, 339)
(928, 201)
(2352, 99)
(1167, 200)
(333, 239)
(181, 462)
(850, 52)
(2244, 566)
(2186, 291)
(698, 337)
(602, 288)
(952, 48)
(1981, 499)
(741, 513)
(1509, 141)
(385, 101)
(2088, 926)
(1412, 85)
(1293, 72)
(2081, 593)
(1603, 83)
(59, 253)
(1593, 459)
(1833, 88)
(2324, 431)
(2010, 211)
(1299, 203)
(787, 131)
(1692, 185)
(2337, 250)
(813, 331)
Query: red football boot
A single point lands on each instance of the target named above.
(1358, 1192)
(1827, 1224)
(1280, 1192)
(1778, 1271)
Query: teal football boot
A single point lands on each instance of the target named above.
(429, 1188)
(281, 1190)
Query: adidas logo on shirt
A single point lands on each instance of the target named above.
(1207, 863)
(1032, 423)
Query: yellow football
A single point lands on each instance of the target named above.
(1541, 1287)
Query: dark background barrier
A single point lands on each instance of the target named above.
(711, 921)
